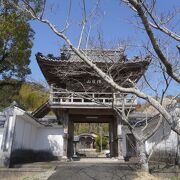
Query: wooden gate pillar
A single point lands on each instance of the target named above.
(115, 143)
(111, 138)
(70, 149)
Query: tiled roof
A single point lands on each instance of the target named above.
(54, 68)
(96, 55)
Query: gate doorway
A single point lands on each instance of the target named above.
(97, 136)
(91, 140)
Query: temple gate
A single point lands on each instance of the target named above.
(78, 94)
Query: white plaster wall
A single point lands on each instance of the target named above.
(1, 137)
(9, 127)
(50, 139)
(159, 138)
(168, 144)
(25, 133)
(163, 144)
(31, 135)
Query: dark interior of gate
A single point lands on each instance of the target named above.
(92, 117)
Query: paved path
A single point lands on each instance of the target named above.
(94, 170)
(85, 169)
(106, 169)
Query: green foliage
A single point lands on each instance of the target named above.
(98, 143)
(80, 128)
(31, 96)
(95, 128)
(9, 89)
(105, 129)
(28, 95)
(16, 38)
(36, 5)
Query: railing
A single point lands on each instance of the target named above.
(89, 98)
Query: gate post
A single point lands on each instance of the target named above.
(70, 149)
(111, 139)
(120, 137)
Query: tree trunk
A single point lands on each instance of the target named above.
(143, 156)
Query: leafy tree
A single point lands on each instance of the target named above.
(80, 128)
(28, 95)
(16, 38)
(31, 96)
(98, 143)
(8, 92)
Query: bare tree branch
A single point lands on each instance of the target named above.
(104, 76)
(156, 25)
(169, 69)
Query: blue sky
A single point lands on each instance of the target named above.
(113, 22)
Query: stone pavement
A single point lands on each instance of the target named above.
(93, 171)
(105, 169)
(85, 169)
